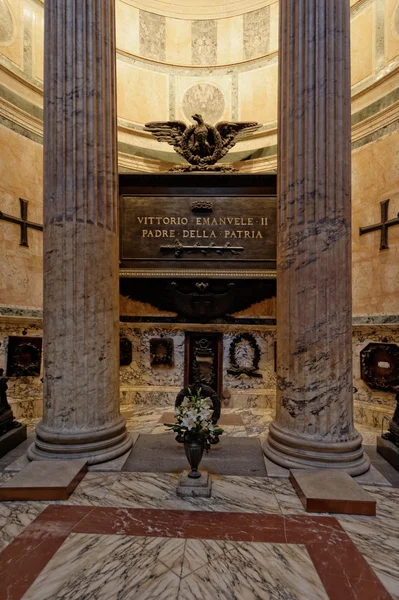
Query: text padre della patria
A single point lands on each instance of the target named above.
(153, 223)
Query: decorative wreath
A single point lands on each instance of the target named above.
(165, 360)
(235, 368)
(27, 360)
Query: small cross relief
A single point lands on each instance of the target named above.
(383, 225)
(22, 221)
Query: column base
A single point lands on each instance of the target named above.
(96, 447)
(292, 451)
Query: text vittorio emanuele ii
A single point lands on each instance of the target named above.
(225, 227)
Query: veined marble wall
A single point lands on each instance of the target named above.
(145, 386)
(25, 394)
(141, 384)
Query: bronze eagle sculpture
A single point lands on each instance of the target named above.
(201, 144)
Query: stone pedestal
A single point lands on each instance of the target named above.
(332, 492)
(81, 283)
(314, 418)
(45, 480)
(194, 488)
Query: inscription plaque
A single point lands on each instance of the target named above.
(173, 235)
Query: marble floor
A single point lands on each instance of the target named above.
(128, 536)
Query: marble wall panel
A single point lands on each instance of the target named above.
(152, 36)
(363, 44)
(230, 35)
(274, 25)
(6, 22)
(391, 29)
(375, 176)
(178, 41)
(28, 26)
(257, 94)
(37, 44)
(143, 386)
(143, 94)
(256, 33)
(25, 394)
(20, 177)
(204, 42)
(11, 30)
(369, 399)
(139, 372)
(127, 27)
(244, 391)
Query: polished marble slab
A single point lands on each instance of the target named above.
(110, 567)
(156, 490)
(152, 568)
(15, 517)
(251, 571)
(332, 491)
(104, 552)
(45, 480)
(255, 510)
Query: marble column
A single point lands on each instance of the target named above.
(314, 419)
(81, 298)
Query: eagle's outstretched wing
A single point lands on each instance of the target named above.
(232, 132)
(168, 131)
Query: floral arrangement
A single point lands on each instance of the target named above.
(194, 416)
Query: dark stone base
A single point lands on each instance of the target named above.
(12, 439)
(389, 451)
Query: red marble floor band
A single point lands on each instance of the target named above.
(343, 571)
(29, 553)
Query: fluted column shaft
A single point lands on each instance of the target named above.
(314, 420)
(81, 298)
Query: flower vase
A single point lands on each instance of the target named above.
(194, 446)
